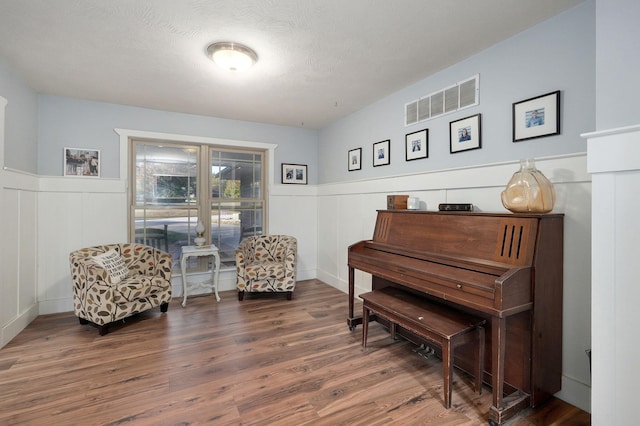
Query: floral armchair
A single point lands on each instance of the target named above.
(266, 263)
(103, 294)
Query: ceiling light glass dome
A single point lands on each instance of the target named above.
(232, 56)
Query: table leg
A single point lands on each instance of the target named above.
(216, 274)
(183, 269)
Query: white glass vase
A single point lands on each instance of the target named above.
(199, 240)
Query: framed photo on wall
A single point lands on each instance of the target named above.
(355, 159)
(417, 145)
(536, 117)
(81, 162)
(465, 134)
(294, 173)
(381, 155)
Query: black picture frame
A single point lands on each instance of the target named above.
(294, 173)
(536, 117)
(381, 153)
(465, 134)
(354, 159)
(417, 145)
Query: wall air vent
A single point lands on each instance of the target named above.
(463, 94)
(411, 113)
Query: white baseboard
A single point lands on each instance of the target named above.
(308, 274)
(361, 286)
(575, 393)
(55, 306)
(226, 281)
(332, 280)
(19, 323)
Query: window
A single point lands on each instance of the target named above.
(237, 203)
(178, 184)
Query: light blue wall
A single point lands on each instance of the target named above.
(618, 64)
(558, 54)
(21, 122)
(66, 122)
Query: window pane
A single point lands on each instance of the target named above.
(231, 222)
(166, 209)
(167, 229)
(236, 175)
(165, 175)
(237, 206)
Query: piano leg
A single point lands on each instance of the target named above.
(503, 408)
(447, 371)
(499, 333)
(365, 326)
(480, 361)
(352, 321)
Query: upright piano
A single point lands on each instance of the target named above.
(506, 268)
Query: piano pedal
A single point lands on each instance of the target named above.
(425, 351)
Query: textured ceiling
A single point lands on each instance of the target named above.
(319, 60)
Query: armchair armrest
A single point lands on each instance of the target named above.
(145, 260)
(290, 254)
(246, 248)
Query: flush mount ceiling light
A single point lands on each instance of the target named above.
(232, 56)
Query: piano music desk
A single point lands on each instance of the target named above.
(437, 323)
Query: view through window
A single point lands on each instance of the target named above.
(179, 184)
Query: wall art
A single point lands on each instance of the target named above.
(465, 134)
(536, 117)
(355, 159)
(294, 173)
(417, 145)
(81, 162)
(381, 154)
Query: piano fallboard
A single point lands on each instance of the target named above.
(479, 290)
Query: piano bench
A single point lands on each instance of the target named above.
(439, 324)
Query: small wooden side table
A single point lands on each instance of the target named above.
(194, 251)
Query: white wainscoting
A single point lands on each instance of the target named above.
(44, 218)
(293, 210)
(347, 214)
(74, 213)
(18, 207)
(82, 212)
(18, 281)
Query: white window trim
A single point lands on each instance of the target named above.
(127, 134)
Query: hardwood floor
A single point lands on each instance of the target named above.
(262, 361)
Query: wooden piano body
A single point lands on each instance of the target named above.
(506, 268)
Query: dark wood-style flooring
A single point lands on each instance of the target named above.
(263, 361)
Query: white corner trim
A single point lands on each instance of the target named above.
(613, 150)
(3, 103)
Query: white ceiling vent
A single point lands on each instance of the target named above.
(463, 94)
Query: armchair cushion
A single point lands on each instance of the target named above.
(138, 287)
(263, 270)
